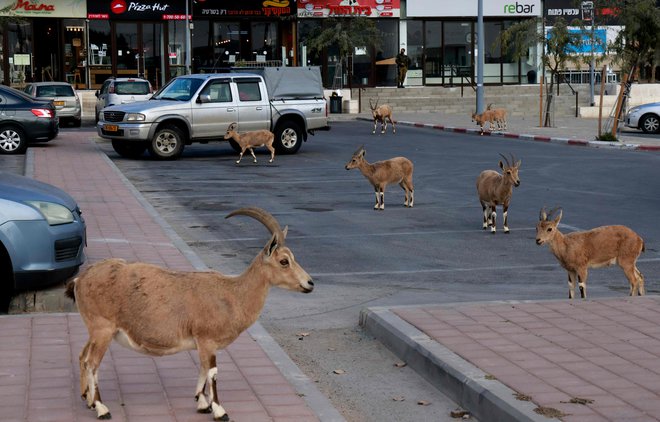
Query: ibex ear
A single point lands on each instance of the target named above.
(501, 165)
(518, 163)
(557, 218)
(271, 246)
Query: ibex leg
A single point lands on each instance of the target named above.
(493, 218)
(582, 282)
(393, 127)
(383, 125)
(505, 217)
(486, 211)
(571, 284)
(253, 156)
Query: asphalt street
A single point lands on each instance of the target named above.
(433, 253)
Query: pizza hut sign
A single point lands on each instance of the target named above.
(123, 9)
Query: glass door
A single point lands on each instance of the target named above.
(139, 51)
(128, 58)
(457, 52)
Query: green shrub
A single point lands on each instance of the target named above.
(607, 137)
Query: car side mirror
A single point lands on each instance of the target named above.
(203, 98)
(97, 93)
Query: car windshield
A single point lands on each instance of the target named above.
(55, 91)
(132, 88)
(181, 89)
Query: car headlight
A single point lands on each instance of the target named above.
(135, 117)
(53, 213)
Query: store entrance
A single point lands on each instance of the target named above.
(139, 50)
(47, 51)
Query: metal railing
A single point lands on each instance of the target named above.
(583, 77)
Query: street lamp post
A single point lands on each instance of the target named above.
(188, 43)
(588, 16)
(480, 57)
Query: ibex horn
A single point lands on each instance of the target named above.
(264, 218)
(506, 160)
(543, 216)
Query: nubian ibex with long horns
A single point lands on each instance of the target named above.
(381, 114)
(496, 189)
(157, 311)
(595, 248)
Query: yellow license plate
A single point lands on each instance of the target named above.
(59, 103)
(111, 128)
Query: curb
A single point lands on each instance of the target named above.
(527, 137)
(487, 399)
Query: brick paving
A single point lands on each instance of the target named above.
(39, 352)
(603, 353)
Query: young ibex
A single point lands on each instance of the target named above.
(381, 114)
(157, 311)
(248, 140)
(599, 247)
(381, 173)
(496, 119)
(496, 189)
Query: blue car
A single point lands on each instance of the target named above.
(42, 235)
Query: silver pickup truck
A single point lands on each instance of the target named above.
(200, 108)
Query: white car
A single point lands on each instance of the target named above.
(645, 117)
(64, 97)
(117, 91)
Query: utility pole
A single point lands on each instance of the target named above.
(188, 46)
(480, 57)
(588, 16)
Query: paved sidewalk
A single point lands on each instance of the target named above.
(569, 131)
(39, 352)
(580, 361)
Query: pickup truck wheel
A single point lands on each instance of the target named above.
(129, 149)
(167, 143)
(288, 138)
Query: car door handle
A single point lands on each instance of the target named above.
(260, 108)
(230, 110)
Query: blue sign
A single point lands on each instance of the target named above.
(588, 45)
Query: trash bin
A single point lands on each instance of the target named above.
(531, 77)
(335, 104)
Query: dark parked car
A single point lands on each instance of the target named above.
(64, 97)
(24, 119)
(42, 235)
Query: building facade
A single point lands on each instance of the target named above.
(86, 41)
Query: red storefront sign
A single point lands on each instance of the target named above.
(338, 8)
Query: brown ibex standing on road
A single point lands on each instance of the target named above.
(381, 173)
(381, 114)
(496, 189)
(248, 140)
(599, 247)
(157, 311)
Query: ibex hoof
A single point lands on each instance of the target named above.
(104, 416)
(224, 417)
(205, 410)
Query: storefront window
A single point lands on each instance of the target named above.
(415, 51)
(152, 58)
(264, 42)
(19, 43)
(492, 54)
(203, 57)
(177, 47)
(386, 74)
(227, 43)
(433, 67)
(74, 52)
(2, 57)
(99, 55)
(457, 57)
(127, 43)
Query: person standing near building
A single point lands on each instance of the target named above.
(402, 63)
